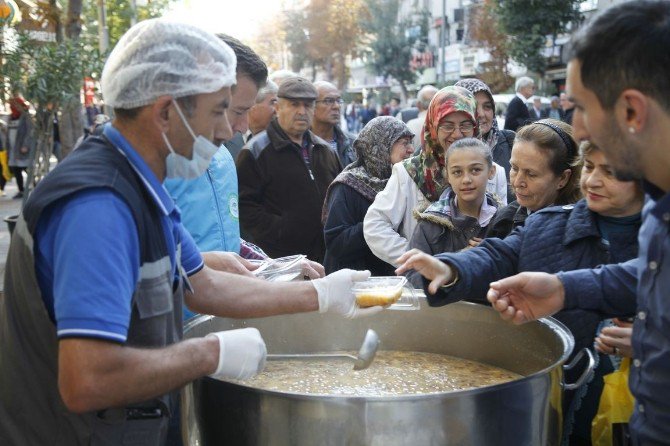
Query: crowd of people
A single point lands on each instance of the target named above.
(210, 166)
(16, 140)
(19, 138)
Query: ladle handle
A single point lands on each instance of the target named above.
(305, 356)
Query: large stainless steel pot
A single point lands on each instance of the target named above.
(523, 412)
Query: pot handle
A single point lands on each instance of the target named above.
(588, 371)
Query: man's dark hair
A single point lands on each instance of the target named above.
(248, 62)
(626, 46)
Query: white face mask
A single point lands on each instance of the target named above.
(178, 166)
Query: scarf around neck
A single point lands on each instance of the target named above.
(370, 172)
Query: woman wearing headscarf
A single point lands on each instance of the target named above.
(500, 141)
(419, 180)
(383, 142)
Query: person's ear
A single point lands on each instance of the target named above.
(565, 177)
(632, 110)
(160, 113)
(492, 171)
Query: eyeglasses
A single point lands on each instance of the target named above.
(331, 101)
(406, 143)
(463, 127)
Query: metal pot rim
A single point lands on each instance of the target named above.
(560, 330)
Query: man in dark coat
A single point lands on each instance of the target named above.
(568, 108)
(517, 111)
(283, 177)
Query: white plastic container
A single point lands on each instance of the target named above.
(393, 292)
(283, 269)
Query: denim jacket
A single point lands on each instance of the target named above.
(640, 286)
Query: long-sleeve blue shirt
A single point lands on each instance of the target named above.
(611, 290)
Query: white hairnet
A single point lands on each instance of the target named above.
(159, 57)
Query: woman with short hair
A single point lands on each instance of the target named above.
(544, 171)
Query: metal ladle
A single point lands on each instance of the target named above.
(365, 355)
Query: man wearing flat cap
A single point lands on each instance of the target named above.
(283, 174)
(100, 264)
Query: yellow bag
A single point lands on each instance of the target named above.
(5, 165)
(616, 405)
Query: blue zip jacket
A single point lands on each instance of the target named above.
(209, 204)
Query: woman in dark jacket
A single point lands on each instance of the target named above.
(383, 142)
(544, 172)
(601, 228)
(500, 141)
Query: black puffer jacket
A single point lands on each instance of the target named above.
(343, 231)
(507, 219)
(444, 231)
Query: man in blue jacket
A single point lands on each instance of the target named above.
(618, 80)
(209, 203)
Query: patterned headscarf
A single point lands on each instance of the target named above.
(370, 172)
(474, 86)
(427, 168)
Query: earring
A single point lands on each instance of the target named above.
(631, 130)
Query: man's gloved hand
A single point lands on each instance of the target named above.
(241, 353)
(335, 294)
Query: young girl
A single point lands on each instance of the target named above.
(460, 217)
(420, 180)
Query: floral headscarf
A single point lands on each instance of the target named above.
(427, 169)
(370, 172)
(474, 86)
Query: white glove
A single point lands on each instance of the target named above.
(241, 353)
(335, 294)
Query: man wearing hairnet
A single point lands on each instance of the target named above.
(99, 263)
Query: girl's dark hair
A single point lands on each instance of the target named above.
(555, 139)
(470, 144)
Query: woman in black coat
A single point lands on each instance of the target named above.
(383, 142)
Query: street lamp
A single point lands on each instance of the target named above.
(103, 31)
(443, 41)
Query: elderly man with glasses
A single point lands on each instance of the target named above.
(326, 122)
